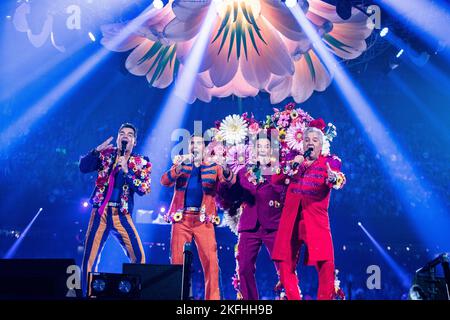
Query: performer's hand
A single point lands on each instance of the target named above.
(122, 162)
(299, 159)
(332, 175)
(105, 145)
(178, 162)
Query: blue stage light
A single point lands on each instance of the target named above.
(384, 32)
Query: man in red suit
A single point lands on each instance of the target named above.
(304, 219)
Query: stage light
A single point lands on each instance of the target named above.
(407, 249)
(91, 36)
(399, 54)
(12, 251)
(359, 224)
(384, 32)
(344, 248)
(427, 18)
(125, 286)
(158, 4)
(389, 248)
(85, 204)
(162, 210)
(431, 282)
(398, 270)
(291, 3)
(98, 285)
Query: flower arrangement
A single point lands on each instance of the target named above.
(291, 123)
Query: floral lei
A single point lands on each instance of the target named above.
(254, 175)
(139, 169)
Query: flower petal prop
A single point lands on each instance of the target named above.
(255, 45)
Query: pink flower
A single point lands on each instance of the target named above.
(283, 121)
(254, 128)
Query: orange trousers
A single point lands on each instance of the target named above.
(188, 229)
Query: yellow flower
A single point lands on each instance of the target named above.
(216, 220)
(178, 216)
(137, 182)
(282, 134)
(294, 114)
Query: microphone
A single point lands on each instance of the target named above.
(123, 148)
(256, 168)
(306, 154)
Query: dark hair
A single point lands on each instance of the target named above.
(129, 125)
(198, 135)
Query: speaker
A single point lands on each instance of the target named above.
(37, 279)
(158, 282)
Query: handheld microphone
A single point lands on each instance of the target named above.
(258, 165)
(306, 154)
(123, 148)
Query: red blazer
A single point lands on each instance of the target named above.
(308, 195)
(211, 175)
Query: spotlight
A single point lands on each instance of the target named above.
(162, 209)
(407, 248)
(85, 204)
(384, 32)
(389, 248)
(359, 224)
(158, 4)
(91, 36)
(399, 54)
(290, 3)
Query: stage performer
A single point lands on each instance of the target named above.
(121, 174)
(260, 217)
(193, 211)
(304, 219)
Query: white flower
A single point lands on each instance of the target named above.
(202, 217)
(326, 147)
(234, 129)
(294, 136)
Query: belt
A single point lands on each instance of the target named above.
(191, 210)
(110, 204)
(113, 204)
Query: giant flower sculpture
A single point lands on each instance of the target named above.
(254, 45)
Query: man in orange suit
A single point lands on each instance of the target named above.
(193, 211)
